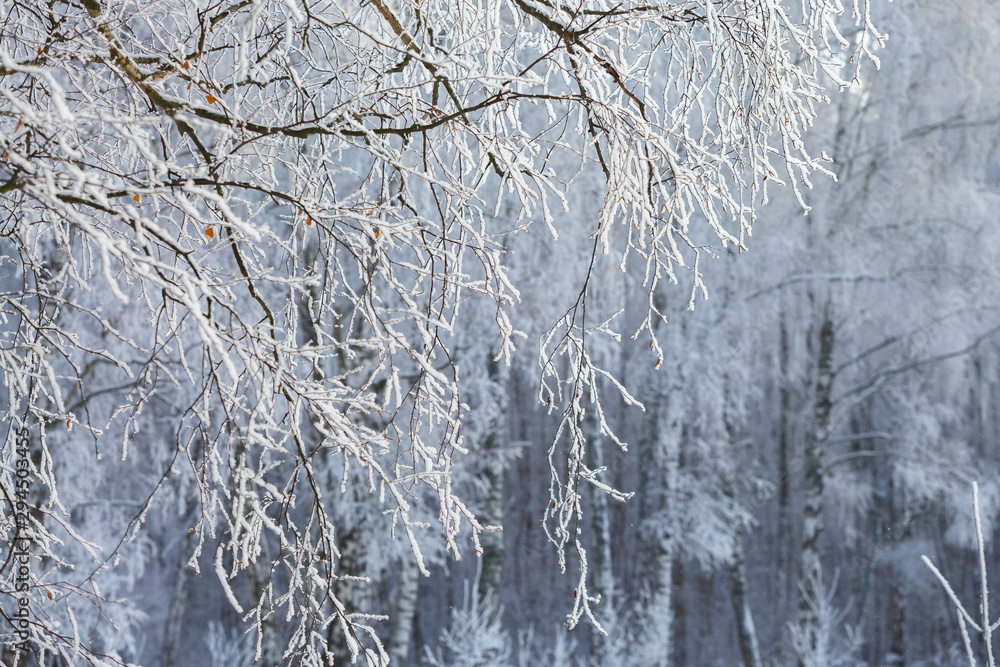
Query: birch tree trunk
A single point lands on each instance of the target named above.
(668, 418)
(490, 575)
(406, 612)
(810, 581)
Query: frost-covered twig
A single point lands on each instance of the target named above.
(964, 618)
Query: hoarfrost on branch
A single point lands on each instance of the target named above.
(292, 201)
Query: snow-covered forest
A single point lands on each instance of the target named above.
(499, 333)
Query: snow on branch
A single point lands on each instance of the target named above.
(290, 203)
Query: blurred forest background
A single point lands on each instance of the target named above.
(891, 285)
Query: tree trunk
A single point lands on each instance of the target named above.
(493, 470)
(663, 631)
(812, 521)
(784, 536)
(178, 603)
(745, 630)
(349, 591)
(897, 618)
(669, 425)
(678, 616)
(406, 612)
(897, 531)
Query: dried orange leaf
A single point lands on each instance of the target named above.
(187, 65)
(210, 98)
(137, 198)
(309, 221)
(210, 233)
(377, 233)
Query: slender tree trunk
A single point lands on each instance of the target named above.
(491, 572)
(784, 536)
(349, 591)
(406, 612)
(491, 567)
(669, 425)
(897, 531)
(678, 616)
(178, 603)
(897, 618)
(980, 406)
(868, 552)
(665, 634)
(659, 606)
(648, 495)
(812, 521)
(745, 630)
